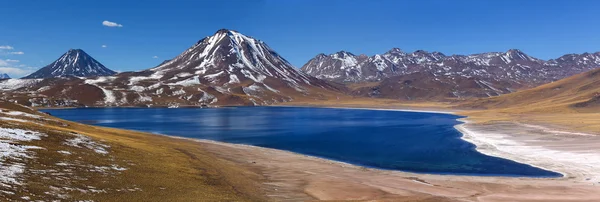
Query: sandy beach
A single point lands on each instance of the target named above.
(296, 177)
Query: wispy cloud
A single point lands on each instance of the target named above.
(6, 47)
(111, 24)
(104, 46)
(155, 57)
(17, 53)
(13, 69)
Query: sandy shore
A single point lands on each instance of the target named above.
(296, 177)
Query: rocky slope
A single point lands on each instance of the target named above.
(74, 62)
(494, 73)
(511, 65)
(427, 86)
(227, 68)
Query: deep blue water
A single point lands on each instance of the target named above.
(407, 141)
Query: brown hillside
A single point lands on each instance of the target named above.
(579, 93)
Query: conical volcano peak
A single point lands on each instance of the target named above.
(225, 31)
(75, 62)
(229, 52)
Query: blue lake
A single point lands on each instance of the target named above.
(407, 141)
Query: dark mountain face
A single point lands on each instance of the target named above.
(74, 62)
(4, 76)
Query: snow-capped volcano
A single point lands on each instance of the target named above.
(227, 68)
(74, 62)
(228, 58)
(4, 76)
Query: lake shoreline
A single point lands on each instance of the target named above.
(290, 175)
(463, 128)
(325, 179)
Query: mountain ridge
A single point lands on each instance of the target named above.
(397, 62)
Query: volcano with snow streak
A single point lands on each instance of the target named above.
(74, 62)
(229, 68)
(229, 58)
(4, 76)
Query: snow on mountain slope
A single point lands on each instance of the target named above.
(512, 65)
(512, 68)
(227, 68)
(74, 62)
(4, 76)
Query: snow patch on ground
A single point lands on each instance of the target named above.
(13, 84)
(109, 96)
(188, 82)
(11, 148)
(18, 113)
(138, 89)
(233, 79)
(102, 79)
(82, 141)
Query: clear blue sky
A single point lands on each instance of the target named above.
(298, 30)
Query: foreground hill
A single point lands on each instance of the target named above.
(74, 62)
(452, 77)
(49, 159)
(580, 93)
(227, 68)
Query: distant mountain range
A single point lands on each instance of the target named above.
(229, 68)
(74, 62)
(397, 74)
(4, 76)
(510, 65)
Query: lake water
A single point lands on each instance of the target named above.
(407, 141)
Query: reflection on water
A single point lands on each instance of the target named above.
(409, 141)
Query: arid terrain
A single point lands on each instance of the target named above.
(514, 88)
(183, 169)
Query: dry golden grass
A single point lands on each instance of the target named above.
(571, 103)
(159, 168)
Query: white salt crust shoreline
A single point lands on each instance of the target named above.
(583, 166)
(573, 163)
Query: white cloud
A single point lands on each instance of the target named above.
(17, 53)
(14, 70)
(111, 24)
(104, 46)
(155, 57)
(6, 47)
